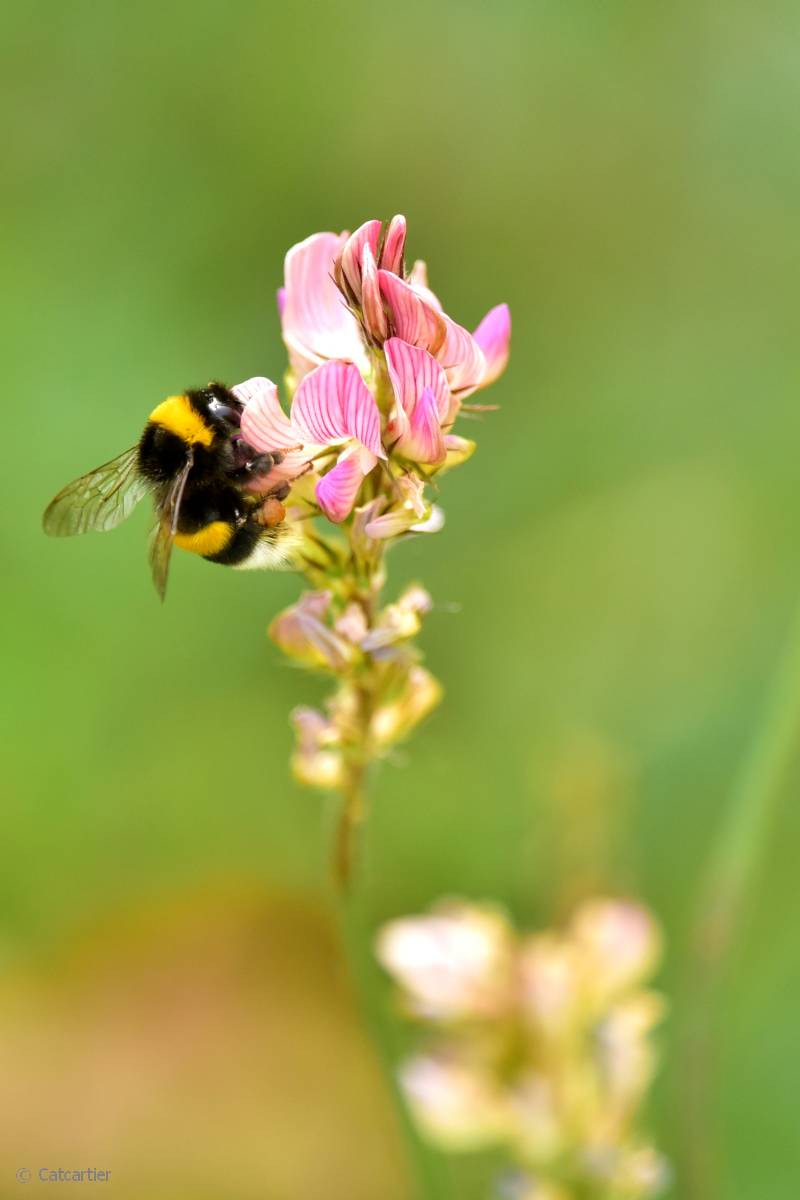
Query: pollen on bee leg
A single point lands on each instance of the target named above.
(271, 513)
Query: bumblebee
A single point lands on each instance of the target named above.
(211, 490)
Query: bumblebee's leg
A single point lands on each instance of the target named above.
(281, 490)
(252, 464)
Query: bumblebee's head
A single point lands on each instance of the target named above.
(218, 408)
(199, 421)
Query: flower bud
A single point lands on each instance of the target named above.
(396, 719)
(457, 1107)
(550, 984)
(620, 943)
(316, 761)
(300, 631)
(459, 449)
(352, 624)
(452, 963)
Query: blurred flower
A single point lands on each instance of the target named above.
(625, 1057)
(395, 719)
(303, 634)
(519, 1185)
(619, 942)
(453, 963)
(317, 761)
(457, 1107)
(398, 621)
(547, 1035)
(549, 983)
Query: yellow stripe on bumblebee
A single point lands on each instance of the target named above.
(178, 415)
(211, 539)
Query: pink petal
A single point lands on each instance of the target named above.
(393, 245)
(423, 442)
(462, 359)
(411, 370)
(412, 318)
(264, 423)
(411, 510)
(367, 234)
(371, 303)
(337, 491)
(280, 297)
(317, 325)
(493, 335)
(332, 404)
(397, 521)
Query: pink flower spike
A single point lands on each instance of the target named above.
(317, 325)
(334, 404)
(337, 491)
(264, 423)
(371, 302)
(367, 234)
(493, 335)
(393, 246)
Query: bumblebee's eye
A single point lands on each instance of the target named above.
(224, 412)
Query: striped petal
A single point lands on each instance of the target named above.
(264, 423)
(393, 246)
(337, 491)
(493, 335)
(411, 371)
(371, 302)
(367, 234)
(317, 325)
(412, 318)
(462, 359)
(423, 440)
(334, 404)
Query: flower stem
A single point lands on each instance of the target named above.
(351, 818)
(427, 1167)
(725, 894)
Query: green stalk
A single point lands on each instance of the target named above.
(726, 893)
(740, 849)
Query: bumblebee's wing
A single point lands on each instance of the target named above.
(165, 530)
(99, 500)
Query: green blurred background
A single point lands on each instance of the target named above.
(616, 579)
